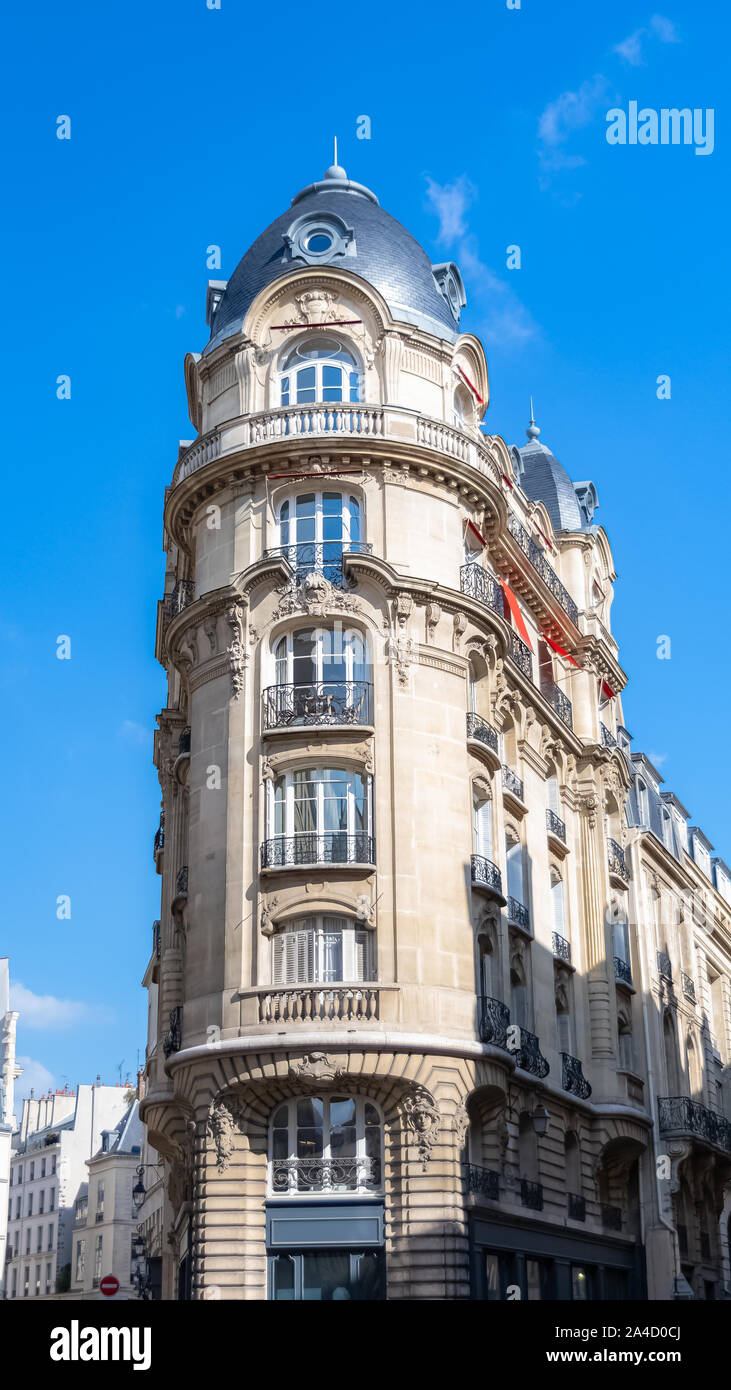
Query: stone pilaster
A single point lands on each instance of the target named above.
(592, 876)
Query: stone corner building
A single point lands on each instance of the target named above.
(440, 991)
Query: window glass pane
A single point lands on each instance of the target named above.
(354, 386)
(305, 377)
(354, 515)
(305, 801)
(330, 962)
(305, 395)
(283, 1278)
(331, 376)
(279, 807)
(326, 1276)
(304, 656)
(492, 1277)
(285, 390)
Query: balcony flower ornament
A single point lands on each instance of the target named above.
(422, 1118)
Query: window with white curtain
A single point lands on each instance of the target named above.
(514, 857)
(321, 949)
(320, 801)
(325, 1144)
(482, 825)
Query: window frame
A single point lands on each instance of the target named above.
(293, 1130)
(352, 939)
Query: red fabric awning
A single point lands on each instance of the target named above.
(517, 615)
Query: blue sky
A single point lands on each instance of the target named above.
(192, 126)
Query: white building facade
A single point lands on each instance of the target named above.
(400, 1039)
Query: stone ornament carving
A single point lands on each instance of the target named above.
(365, 751)
(315, 595)
(422, 1120)
(226, 1120)
(433, 614)
(461, 1124)
(267, 917)
(366, 910)
(503, 1139)
(180, 1176)
(459, 627)
(402, 606)
(267, 770)
(400, 653)
(210, 627)
(235, 651)
(316, 1066)
(589, 805)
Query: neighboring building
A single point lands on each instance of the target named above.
(405, 1011)
(58, 1133)
(105, 1219)
(9, 1073)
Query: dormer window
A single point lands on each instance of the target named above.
(449, 283)
(319, 368)
(318, 240)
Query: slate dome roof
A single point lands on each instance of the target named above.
(365, 240)
(570, 505)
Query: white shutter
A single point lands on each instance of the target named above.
(305, 954)
(278, 948)
(361, 963)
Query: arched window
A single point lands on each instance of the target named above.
(572, 1163)
(672, 1065)
(325, 1144)
(558, 904)
(624, 1038)
(463, 410)
(320, 815)
(482, 823)
(321, 949)
(314, 530)
(527, 1148)
(321, 676)
(318, 368)
(515, 864)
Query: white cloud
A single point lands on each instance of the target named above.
(631, 48)
(572, 111)
(36, 1078)
(44, 1010)
(450, 202)
(133, 732)
(504, 318)
(657, 759)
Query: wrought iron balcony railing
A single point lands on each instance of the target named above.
(622, 970)
(542, 567)
(611, 1217)
(181, 882)
(531, 1194)
(477, 583)
(555, 826)
(319, 1003)
(617, 862)
(494, 1021)
(608, 738)
(156, 940)
(310, 847)
(485, 874)
(528, 1055)
(479, 729)
(561, 947)
(560, 703)
(518, 914)
(664, 966)
(680, 1114)
(573, 1078)
(158, 843)
(184, 742)
(290, 1176)
(173, 1037)
(485, 1181)
(180, 596)
(688, 986)
(521, 655)
(321, 703)
(512, 782)
(325, 557)
(682, 1238)
(576, 1206)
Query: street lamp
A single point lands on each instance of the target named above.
(138, 1191)
(540, 1118)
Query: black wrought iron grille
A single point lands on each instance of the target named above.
(322, 702)
(477, 583)
(494, 1021)
(325, 557)
(573, 1078)
(310, 847)
(479, 729)
(486, 873)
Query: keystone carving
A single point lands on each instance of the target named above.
(317, 1066)
(315, 595)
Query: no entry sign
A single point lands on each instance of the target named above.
(109, 1285)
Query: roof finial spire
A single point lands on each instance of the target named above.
(335, 171)
(532, 430)
(335, 149)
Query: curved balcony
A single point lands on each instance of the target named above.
(540, 564)
(483, 740)
(494, 1021)
(483, 1181)
(173, 1037)
(528, 1054)
(478, 584)
(323, 557)
(485, 874)
(319, 704)
(561, 948)
(681, 1115)
(180, 596)
(521, 654)
(617, 864)
(518, 914)
(622, 971)
(572, 1077)
(311, 847)
(328, 422)
(560, 703)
